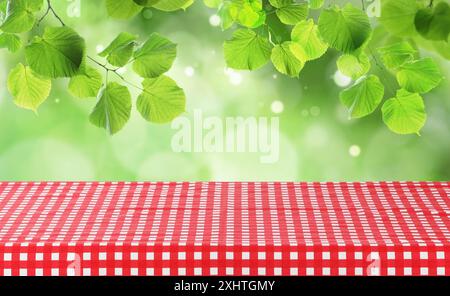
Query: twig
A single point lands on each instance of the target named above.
(104, 66)
(114, 71)
(49, 4)
(375, 59)
(43, 17)
(383, 69)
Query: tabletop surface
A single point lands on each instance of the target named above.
(404, 213)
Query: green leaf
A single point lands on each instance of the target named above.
(228, 13)
(123, 9)
(345, 29)
(30, 5)
(172, 5)
(11, 42)
(419, 76)
(397, 16)
(58, 53)
(316, 4)
(188, 4)
(155, 57)
(354, 66)
(397, 54)
(404, 114)
(162, 100)
(289, 12)
(86, 85)
(250, 13)
(146, 3)
(247, 50)
(363, 97)
(113, 109)
(28, 89)
(120, 50)
(212, 3)
(307, 35)
(3, 6)
(434, 25)
(285, 61)
(20, 15)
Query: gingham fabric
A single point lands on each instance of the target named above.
(226, 229)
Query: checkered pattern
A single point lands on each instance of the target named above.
(213, 228)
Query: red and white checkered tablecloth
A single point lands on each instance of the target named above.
(212, 228)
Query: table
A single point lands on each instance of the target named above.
(224, 229)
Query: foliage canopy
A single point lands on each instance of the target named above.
(314, 27)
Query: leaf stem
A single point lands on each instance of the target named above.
(114, 71)
(52, 10)
(104, 66)
(43, 17)
(375, 59)
(382, 69)
(269, 32)
(54, 13)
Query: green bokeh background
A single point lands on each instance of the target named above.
(316, 136)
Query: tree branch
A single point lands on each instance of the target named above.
(104, 66)
(50, 8)
(114, 71)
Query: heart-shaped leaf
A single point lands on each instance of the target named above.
(58, 53)
(247, 50)
(405, 113)
(162, 100)
(155, 57)
(113, 109)
(363, 97)
(345, 29)
(434, 24)
(28, 89)
(419, 76)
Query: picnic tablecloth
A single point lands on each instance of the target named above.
(225, 229)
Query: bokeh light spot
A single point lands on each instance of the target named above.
(99, 48)
(341, 80)
(215, 20)
(235, 78)
(354, 151)
(277, 107)
(189, 71)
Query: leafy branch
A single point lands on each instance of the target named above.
(60, 52)
(349, 31)
(283, 32)
(105, 65)
(52, 10)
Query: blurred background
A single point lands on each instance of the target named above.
(317, 141)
